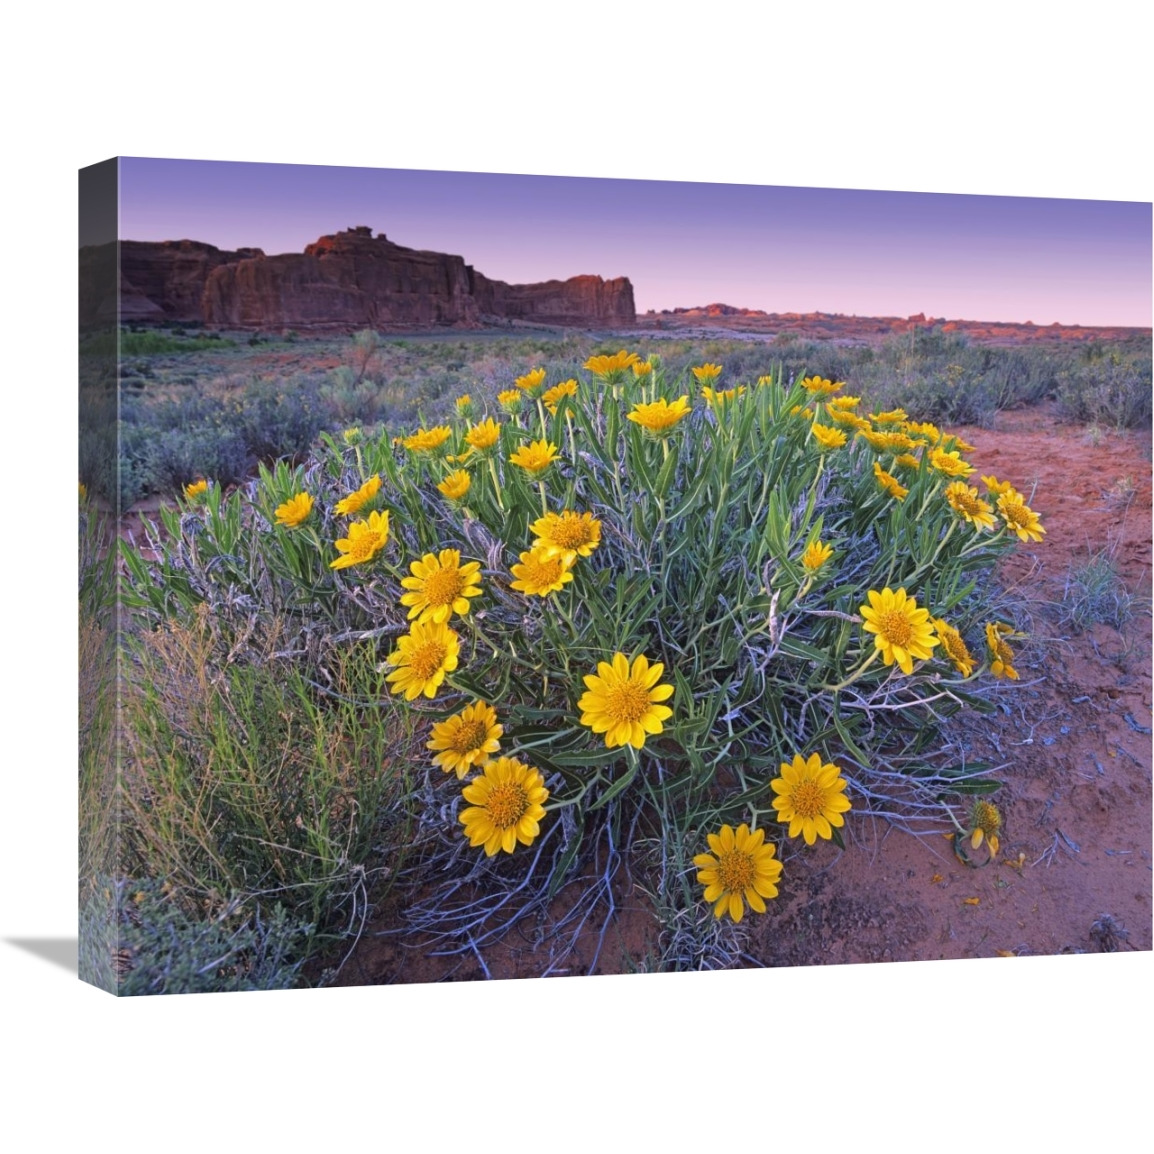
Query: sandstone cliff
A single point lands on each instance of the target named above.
(346, 281)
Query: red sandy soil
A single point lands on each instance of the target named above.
(1074, 871)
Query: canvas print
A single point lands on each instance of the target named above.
(500, 576)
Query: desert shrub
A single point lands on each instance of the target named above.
(97, 738)
(722, 566)
(1095, 593)
(165, 443)
(162, 948)
(1110, 388)
(279, 419)
(145, 343)
(245, 780)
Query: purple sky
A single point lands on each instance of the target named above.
(773, 248)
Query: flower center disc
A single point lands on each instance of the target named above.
(506, 804)
(547, 572)
(470, 736)
(896, 627)
(443, 586)
(735, 870)
(426, 659)
(365, 545)
(808, 799)
(627, 701)
(571, 533)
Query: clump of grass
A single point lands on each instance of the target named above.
(140, 344)
(98, 741)
(249, 782)
(162, 948)
(1095, 594)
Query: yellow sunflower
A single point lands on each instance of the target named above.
(964, 501)
(295, 511)
(355, 502)
(567, 535)
(827, 437)
(608, 367)
(706, 373)
(464, 404)
(876, 440)
(540, 575)
(486, 434)
(365, 540)
(744, 867)
(847, 419)
(925, 429)
(810, 796)
(642, 368)
(622, 703)
(895, 441)
(953, 441)
(985, 821)
(196, 489)
(890, 417)
(440, 586)
(816, 555)
(422, 657)
(954, 646)
(552, 397)
(842, 403)
(821, 386)
(466, 739)
(1001, 655)
(950, 464)
(510, 400)
(426, 440)
(722, 396)
(456, 485)
(530, 381)
(995, 486)
(506, 806)
(1018, 516)
(890, 483)
(535, 457)
(660, 416)
(902, 631)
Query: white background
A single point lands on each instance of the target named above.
(996, 98)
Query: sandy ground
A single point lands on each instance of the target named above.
(1074, 872)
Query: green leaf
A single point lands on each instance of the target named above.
(665, 477)
(619, 786)
(566, 860)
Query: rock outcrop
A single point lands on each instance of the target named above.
(346, 281)
(579, 300)
(165, 281)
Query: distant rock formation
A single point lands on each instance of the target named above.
(725, 320)
(165, 281)
(346, 281)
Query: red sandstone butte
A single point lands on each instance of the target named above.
(346, 281)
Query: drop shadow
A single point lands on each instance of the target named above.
(60, 951)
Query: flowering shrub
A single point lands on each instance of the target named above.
(634, 608)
